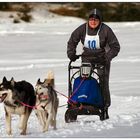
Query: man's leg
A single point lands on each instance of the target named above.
(104, 74)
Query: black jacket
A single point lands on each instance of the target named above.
(107, 40)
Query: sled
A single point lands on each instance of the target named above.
(80, 108)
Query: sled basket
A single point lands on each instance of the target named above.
(85, 95)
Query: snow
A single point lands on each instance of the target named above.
(29, 50)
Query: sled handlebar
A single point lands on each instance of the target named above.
(77, 67)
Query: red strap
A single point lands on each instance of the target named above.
(33, 107)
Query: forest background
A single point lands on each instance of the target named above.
(111, 11)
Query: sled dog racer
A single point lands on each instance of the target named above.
(100, 46)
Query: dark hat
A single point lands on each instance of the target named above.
(95, 13)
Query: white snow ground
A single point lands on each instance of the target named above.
(28, 51)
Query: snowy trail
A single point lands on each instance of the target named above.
(86, 126)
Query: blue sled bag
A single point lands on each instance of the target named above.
(89, 92)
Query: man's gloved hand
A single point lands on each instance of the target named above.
(74, 57)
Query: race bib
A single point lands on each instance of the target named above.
(92, 42)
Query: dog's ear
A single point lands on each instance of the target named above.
(4, 79)
(38, 81)
(46, 82)
(12, 81)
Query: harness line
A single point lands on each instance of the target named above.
(33, 107)
(69, 98)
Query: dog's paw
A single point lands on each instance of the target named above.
(9, 133)
(45, 130)
(23, 133)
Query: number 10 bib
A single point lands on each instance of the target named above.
(92, 41)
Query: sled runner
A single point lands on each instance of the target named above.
(84, 92)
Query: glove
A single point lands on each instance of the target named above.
(74, 57)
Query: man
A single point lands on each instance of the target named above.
(100, 46)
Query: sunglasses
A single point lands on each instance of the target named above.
(93, 19)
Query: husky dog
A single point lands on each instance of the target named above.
(12, 94)
(46, 102)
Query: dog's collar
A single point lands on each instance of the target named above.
(44, 106)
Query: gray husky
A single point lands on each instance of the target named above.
(12, 94)
(46, 102)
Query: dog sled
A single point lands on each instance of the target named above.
(84, 92)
